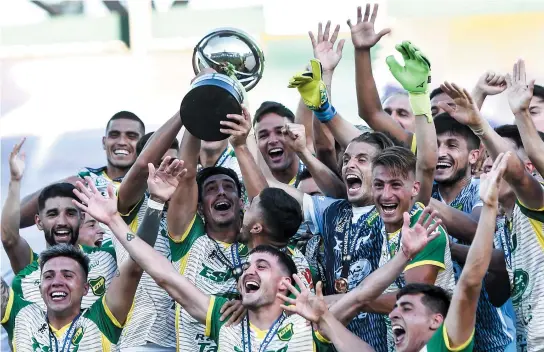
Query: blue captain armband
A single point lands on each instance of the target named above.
(326, 113)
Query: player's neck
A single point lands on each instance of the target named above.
(506, 205)
(264, 238)
(58, 320)
(450, 191)
(288, 174)
(393, 226)
(114, 172)
(209, 157)
(264, 317)
(227, 234)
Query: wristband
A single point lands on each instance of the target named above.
(154, 205)
(326, 113)
(421, 105)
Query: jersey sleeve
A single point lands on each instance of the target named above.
(16, 284)
(14, 306)
(314, 207)
(180, 247)
(434, 252)
(100, 314)
(413, 147)
(131, 218)
(213, 324)
(321, 344)
(440, 342)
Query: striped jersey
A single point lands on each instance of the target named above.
(206, 268)
(494, 325)
(440, 342)
(293, 334)
(436, 253)
(528, 276)
(153, 314)
(95, 330)
(102, 268)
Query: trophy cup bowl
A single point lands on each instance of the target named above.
(239, 64)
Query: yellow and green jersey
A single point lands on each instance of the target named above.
(440, 342)
(96, 329)
(102, 268)
(292, 333)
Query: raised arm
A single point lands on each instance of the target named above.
(461, 317)
(364, 38)
(239, 127)
(415, 76)
(490, 83)
(184, 202)
(520, 94)
(459, 224)
(527, 188)
(414, 239)
(134, 185)
(325, 178)
(16, 247)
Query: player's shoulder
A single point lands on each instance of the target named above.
(87, 171)
(30, 268)
(106, 248)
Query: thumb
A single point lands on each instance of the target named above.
(508, 80)
(316, 69)
(383, 32)
(111, 192)
(393, 64)
(444, 106)
(151, 169)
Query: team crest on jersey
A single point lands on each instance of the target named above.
(286, 333)
(78, 335)
(521, 281)
(98, 285)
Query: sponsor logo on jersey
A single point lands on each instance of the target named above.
(213, 275)
(98, 285)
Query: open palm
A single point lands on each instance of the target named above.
(465, 110)
(519, 92)
(162, 182)
(309, 306)
(94, 203)
(491, 181)
(324, 47)
(363, 34)
(17, 162)
(415, 238)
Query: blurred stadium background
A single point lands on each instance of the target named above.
(67, 66)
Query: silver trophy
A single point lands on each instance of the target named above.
(239, 64)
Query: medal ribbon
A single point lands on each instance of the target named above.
(246, 341)
(67, 338)
(236, 269)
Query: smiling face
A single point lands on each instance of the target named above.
(413, 323)
(262, 279)
(59, 220)
(63, 285)
(90, 233)
(220, 201)
(398, 106)
(271, 142)
(357, 172)
(393, 195)
(120, 142)
(454, 158)
(536, 109)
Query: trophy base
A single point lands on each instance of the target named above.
(210, 99)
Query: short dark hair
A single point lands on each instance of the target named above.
(510, 132)
(143, 141)
(435, 298)
(273, 107)
(435, 92)
(61, 189)
(126, 115)
(65, 250)
(284, 259)
(538, 91)
(281, 213)
(377, 139)
(444, 123)
(304, 175)
(208, 172)
(399, 161)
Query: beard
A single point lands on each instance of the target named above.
(50, 237)
(456, 177)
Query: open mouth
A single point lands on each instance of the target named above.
(399, 333)
(354, 183)
(122, 152)
(275, 154)
(443, 165)
(389, 208)
(62, 235)
(251, 286)
(98, 243)
(222, 205)
(58, 295)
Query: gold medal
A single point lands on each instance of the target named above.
(341, 285)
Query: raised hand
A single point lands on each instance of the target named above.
(238, 128)
(415, 238)
(93, 202)
(363, 34)
(519, 92)
(309, 306)
(415, 75)
(491, 83)
(295, 136)
(17, 161)
(490, 182)
(162, 182)
(465, 110)
(324, 46)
